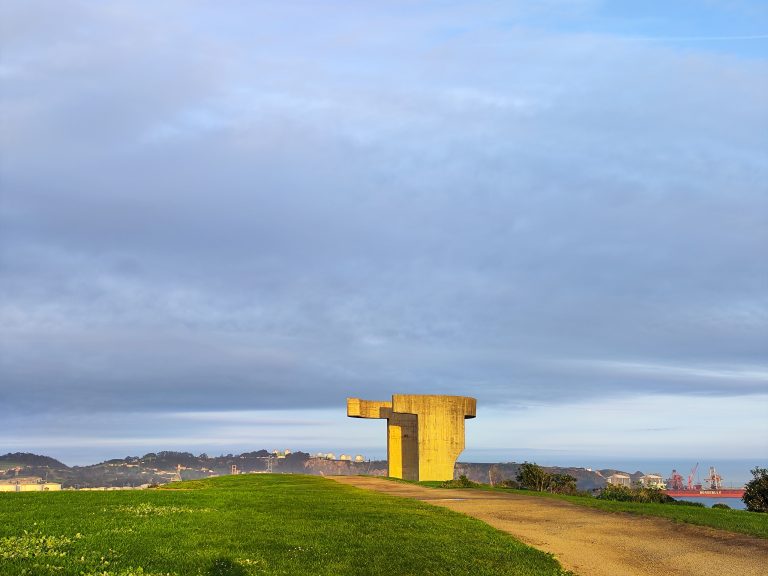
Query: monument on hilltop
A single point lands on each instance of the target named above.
(425, 433)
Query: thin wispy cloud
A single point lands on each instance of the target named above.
(698, 38)
(748, 374)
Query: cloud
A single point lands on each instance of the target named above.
(755, 375)
(271, 209)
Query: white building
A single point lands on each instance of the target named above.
(28, 484)
(619, 479)
(652, 481)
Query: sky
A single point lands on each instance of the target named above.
(219, 220)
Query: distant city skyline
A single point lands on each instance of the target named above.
(217, 224)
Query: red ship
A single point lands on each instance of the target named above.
(713, 489)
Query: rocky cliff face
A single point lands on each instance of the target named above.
(324, 467)
(496, 473)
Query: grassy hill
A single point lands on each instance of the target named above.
(250, 524)
(25, 459)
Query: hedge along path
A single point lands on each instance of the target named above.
(591, 542)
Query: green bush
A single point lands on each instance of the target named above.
(531, 476)
(721, 505)
(460, 482)
(562, 484)
(756, 491)
(626, 494)
(616, 493)
(653, 495)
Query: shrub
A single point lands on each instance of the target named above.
(721, 505)
(617, 493)
(562, 484)
(626, 494)
(509, 483)
(756, 491)
(531, 476)
(652, 495)
(460, 482)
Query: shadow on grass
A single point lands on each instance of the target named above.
(225, 567)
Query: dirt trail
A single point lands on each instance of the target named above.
(594, 543)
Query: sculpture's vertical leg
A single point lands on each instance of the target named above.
(403, 446)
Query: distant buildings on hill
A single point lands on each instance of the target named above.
(281, 454)
(28, 484)
(653, 481)
(343, 457)
(646, 481)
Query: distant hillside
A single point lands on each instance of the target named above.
(26, 459)
(496, 473)
(163, 467)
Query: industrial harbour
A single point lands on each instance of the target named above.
(713, 486)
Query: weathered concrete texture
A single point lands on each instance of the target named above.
(425, 433)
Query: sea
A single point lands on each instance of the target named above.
(735, 503)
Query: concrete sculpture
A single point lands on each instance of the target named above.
(425, 433)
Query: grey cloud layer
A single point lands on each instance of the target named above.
(284, 213)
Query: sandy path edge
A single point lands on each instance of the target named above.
(592, 542)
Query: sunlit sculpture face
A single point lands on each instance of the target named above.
(425, 433)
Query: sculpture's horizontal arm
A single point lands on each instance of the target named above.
(434, 404)
(357, 408)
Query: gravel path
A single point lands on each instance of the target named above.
(594, 543)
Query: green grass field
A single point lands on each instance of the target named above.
(250, 524)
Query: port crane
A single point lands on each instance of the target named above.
(691, 475)
(712, 488)
(714, 479)
(676, 481)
